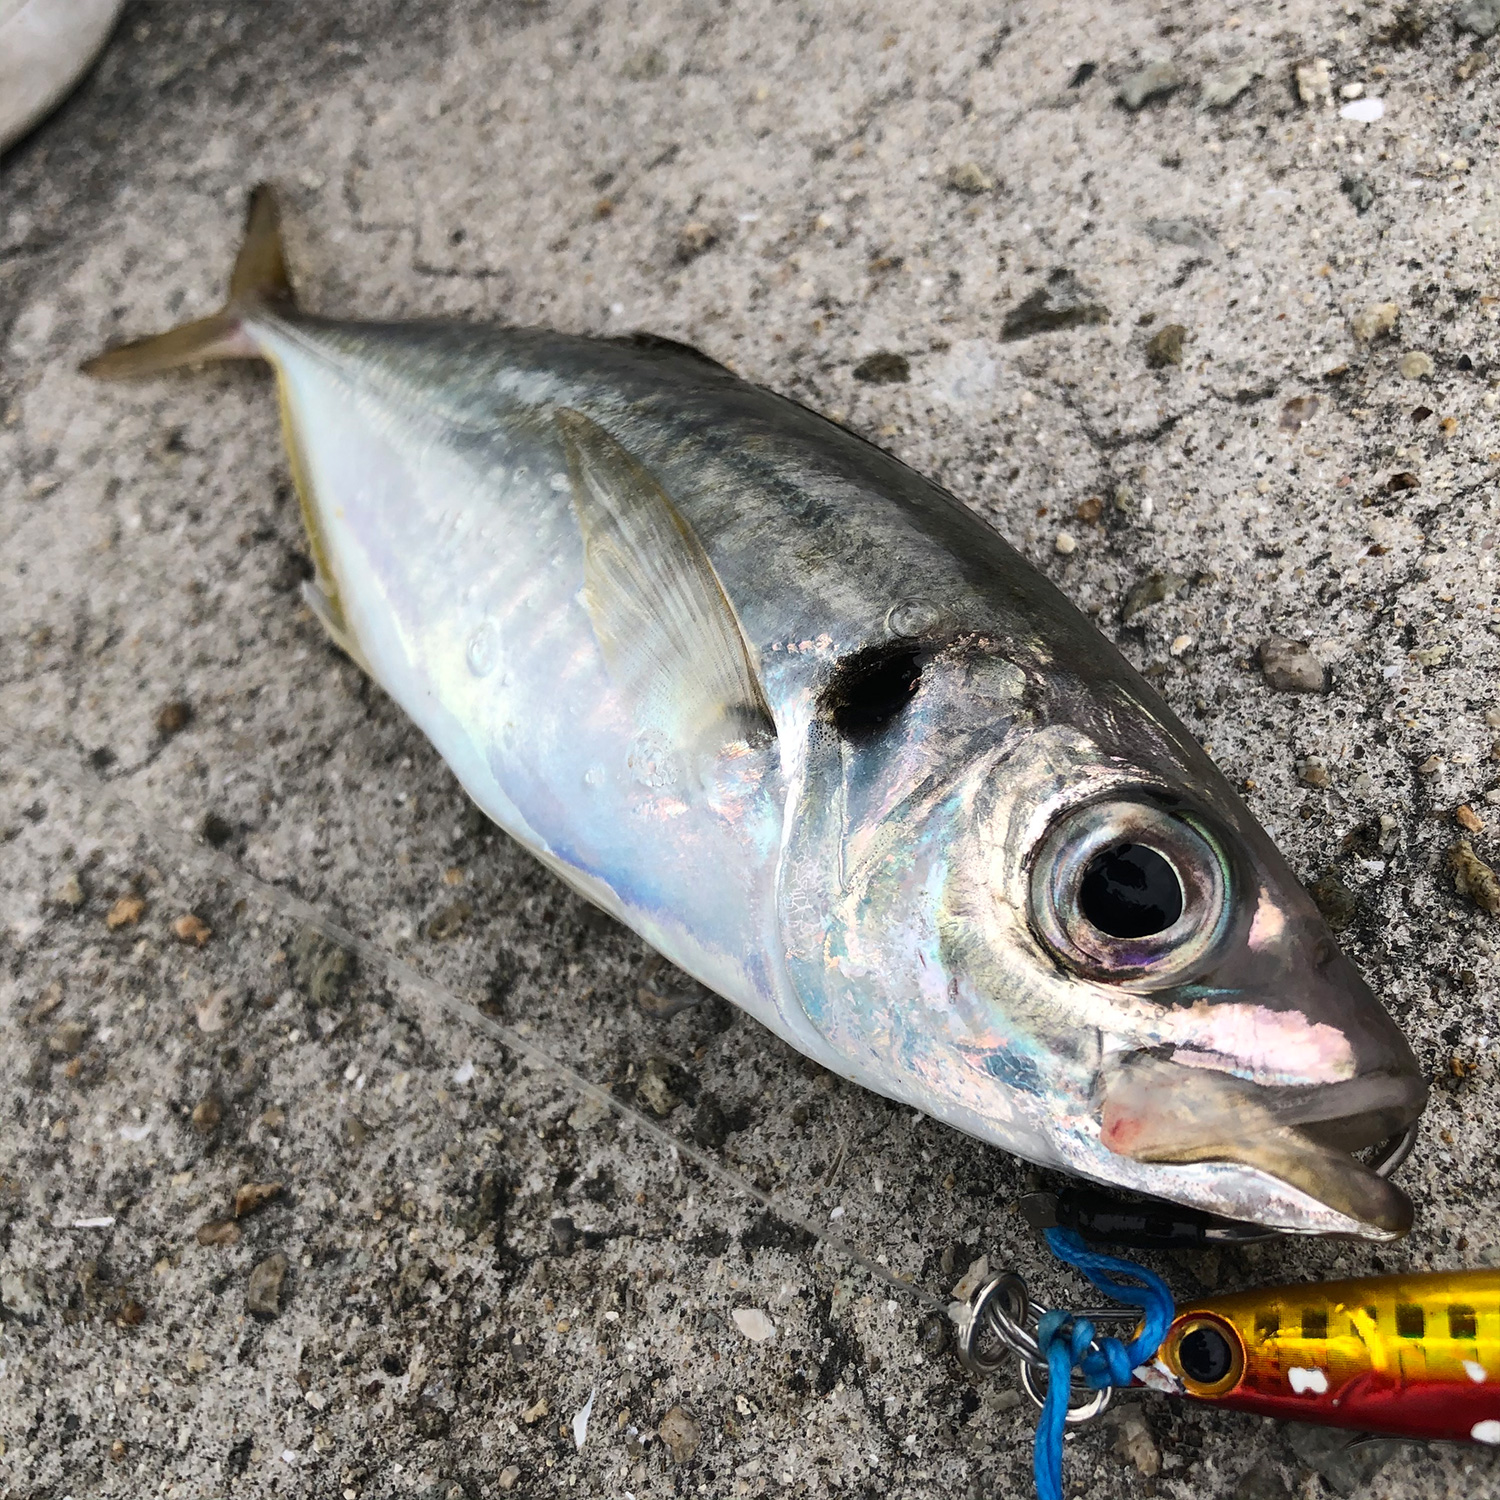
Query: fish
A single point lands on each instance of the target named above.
(808, 725)
(1413, 1356)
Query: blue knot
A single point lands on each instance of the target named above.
(1064, 1341)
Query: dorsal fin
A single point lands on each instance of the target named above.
(662, 618)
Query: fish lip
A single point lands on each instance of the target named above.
(1153, 1110)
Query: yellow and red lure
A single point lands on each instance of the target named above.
(1404, 1356)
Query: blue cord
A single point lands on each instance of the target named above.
(1065, 1341)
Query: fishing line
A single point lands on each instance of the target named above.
(95, 794)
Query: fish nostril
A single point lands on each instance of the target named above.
(1130, 891)
(869, 691)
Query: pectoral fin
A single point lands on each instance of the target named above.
(666, 627)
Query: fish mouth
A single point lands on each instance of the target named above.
(1158, 1111)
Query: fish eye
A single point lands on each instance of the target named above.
(1130, 889)
(1206, 1354)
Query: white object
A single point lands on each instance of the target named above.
(1303, 1381)
(1487, 1431)
(104, 1221)
(45, 48)
(135, 1132)
(1474, 1370)
(581, 1421)
(465, 1073)
(1363, 111)
(754, 1324)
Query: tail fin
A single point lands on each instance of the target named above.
(259, 278)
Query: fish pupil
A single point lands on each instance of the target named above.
(1205, 1356)
(1130, 891)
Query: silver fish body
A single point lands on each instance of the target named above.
(815, 731)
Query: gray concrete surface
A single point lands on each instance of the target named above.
(776, 184)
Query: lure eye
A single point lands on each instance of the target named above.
(1129, 890)
(1206, 1355)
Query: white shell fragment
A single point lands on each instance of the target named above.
(1363, 111)
(754, 1324)
(581, 1420)
(45, 46)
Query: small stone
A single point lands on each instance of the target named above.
(273, 1118)
(932, 1335)
(1188, 233)
(694, 239)
(655, 1090)
(431, 1422)
(1155, 81)
(1062, 302)
(173, 717)
(1431, 766)
(1374, 321)
(69, 893)
(1298, 412)
(354, 1131)
(1314, 81)
(1360, 191)
(68, 1039)
(1403, 481)
(126, 912)
(1133, 1440)
(1314, 771)
(970, 178)
(1363, 111)
(1479, 18)
(754, 1324)
(190, 929)
(1333, 898)
(1473, 878)
(509, 1477)
(224, 1232)
(250, 1196)
(1492, 717)
(59, 1130)
(710, 1125)
(1090, 510)
(1181, 645)
(1466, 67)
(1165, 346)
(536, 1411)
(212, 1013)
(263, 1290)
(1263, 1480)
(1290, 667)
(449, 921)
(207, 1113)
(884, 368)
(1065, 543)
(1415, 365)
(1351, 90)
(681, 1434)
(563, 1234)
(1220, 90)
(1154, 588)
(1468, 819)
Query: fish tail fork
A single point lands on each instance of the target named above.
(259, 279)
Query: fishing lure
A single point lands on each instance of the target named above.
(1405, 1356)
(1414, 1356)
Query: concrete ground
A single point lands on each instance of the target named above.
(461, 1251)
